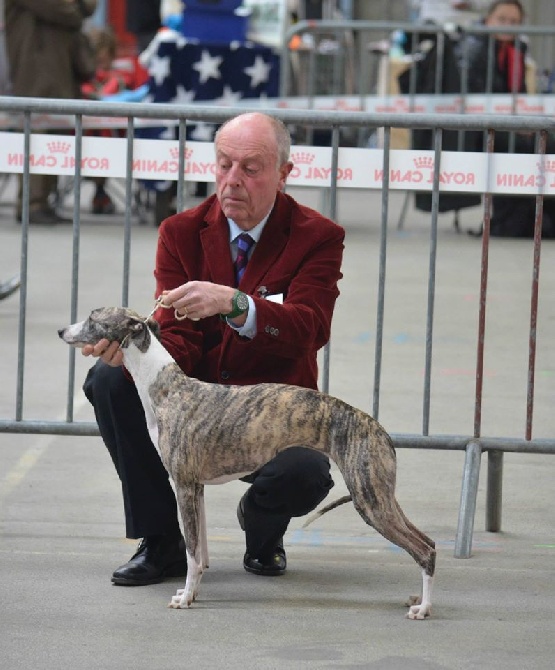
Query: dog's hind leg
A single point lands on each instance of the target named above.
(190, 502)
(389, 520)
(204, 560)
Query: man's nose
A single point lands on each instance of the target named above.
(234, 175)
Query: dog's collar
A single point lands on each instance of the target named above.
(123, 343)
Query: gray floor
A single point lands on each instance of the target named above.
(341, 603)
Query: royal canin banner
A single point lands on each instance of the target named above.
(357, 168)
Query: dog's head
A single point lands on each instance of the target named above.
(116, 324)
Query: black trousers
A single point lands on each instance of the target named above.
(292, 484)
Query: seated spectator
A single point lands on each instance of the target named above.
(509, 65)
(505, 73)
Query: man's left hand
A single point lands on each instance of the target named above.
(199, 299)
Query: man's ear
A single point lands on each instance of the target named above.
(284, 171)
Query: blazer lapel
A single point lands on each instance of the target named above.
(270, 246)
(215, 244)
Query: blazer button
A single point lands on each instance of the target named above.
(224, 374)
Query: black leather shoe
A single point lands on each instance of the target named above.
(271, 567)
(275, 565)
(157, 558)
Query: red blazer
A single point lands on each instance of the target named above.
(299, 255)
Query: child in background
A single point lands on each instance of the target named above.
(108, 80)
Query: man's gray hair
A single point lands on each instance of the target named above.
(282, 135)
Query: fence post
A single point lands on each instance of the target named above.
(469, 493)
(494, 491)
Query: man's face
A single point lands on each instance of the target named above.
(247, 173)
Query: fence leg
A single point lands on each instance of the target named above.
(403, 214)
(469, 493)
(494, 491)
(325, 200)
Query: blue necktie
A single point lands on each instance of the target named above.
(244, 243)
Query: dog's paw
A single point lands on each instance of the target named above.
(419, 612)
(182, 600)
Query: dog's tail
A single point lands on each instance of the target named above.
(327, 508)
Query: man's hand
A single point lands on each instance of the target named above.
(199, 299)
(107, 351)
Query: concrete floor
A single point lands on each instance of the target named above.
(341, 603)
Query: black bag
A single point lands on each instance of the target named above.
(515, 217)
(83, 57)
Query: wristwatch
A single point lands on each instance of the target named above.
(239, 303)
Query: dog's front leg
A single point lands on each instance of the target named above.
(421, 607)
(190, 500)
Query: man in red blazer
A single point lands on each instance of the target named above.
(229, 324)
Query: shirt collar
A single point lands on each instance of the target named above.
(255, 233)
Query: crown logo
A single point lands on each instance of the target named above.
(424, 162)
(547, 166)
(58, 147)
(174, 153)
(304, 157)
(400, 105)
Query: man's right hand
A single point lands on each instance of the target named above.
(107, 351)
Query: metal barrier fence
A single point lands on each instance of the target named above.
(361, 58)
(380, 170)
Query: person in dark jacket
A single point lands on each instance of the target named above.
(502, 70)
(40, 40)
(505, 74)
(143, 20)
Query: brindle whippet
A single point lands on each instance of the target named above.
(211, 433)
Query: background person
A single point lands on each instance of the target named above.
(40, 39)
(294, 256)
(107, 81)
(143, 19)
(506, 73)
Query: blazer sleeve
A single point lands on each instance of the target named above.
(181, 338)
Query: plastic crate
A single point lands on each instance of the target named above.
(214, 26)
(228, 6)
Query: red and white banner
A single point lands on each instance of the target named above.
(409, 170)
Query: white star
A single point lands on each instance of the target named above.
(229, 97)
(159, 68)
(208, 67)
(183, 96)
(258, 72)
(203, 132)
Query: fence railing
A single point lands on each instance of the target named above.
(330, 169)
(359, 58)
